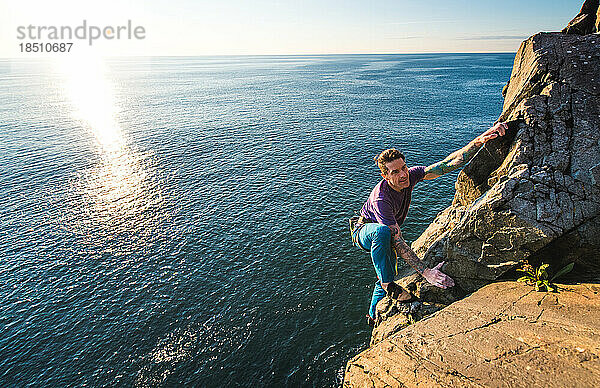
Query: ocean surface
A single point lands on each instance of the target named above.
(169, 221)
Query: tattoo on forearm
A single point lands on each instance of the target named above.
(454, 161)
(404, 251)
(440, 168)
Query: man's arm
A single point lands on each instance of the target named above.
(461, 157)
(432, 275)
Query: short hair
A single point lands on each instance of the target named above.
(387, 156)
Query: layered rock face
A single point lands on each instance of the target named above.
(534, 193)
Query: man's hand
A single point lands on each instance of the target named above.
(438, 278)
(499, 129)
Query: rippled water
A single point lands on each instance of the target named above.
(183, 220)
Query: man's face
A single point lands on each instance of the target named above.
(397, 174)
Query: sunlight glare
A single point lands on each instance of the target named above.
(91, 94)
(120, 188)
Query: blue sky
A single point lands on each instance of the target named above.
(234, 27)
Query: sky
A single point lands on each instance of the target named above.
(280, 27)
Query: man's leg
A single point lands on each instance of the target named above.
(378, 294)
(377, 238)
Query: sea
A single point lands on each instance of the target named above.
(170, 221)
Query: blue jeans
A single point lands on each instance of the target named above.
(377, 239)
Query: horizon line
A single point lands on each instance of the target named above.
(278, 55)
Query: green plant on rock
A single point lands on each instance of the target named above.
(538, 277)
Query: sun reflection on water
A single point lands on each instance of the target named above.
(120, 190)
(92, 96)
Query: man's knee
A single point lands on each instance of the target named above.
(382, 233)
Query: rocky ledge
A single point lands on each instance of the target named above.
(503, 335)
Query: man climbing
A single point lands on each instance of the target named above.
(377, 230)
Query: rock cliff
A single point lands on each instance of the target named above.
(533, 194)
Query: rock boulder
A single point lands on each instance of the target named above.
(587, 20)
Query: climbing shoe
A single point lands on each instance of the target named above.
(370, 321)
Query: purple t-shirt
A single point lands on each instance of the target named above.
(388, 206)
